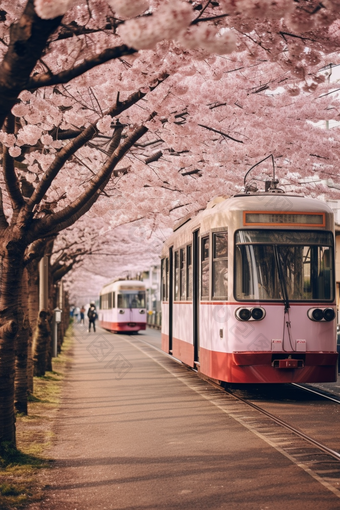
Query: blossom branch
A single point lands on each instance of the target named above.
(11, 179)
(63, 219)
(59, 162)
(28, 39)
(48, 79)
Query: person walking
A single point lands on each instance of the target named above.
(92, 315)
(82, 315)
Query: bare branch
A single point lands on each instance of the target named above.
(220, 133)
(191, 172)
(154, 157)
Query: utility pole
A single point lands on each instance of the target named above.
(43, 283)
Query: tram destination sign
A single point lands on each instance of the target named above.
(271, 218)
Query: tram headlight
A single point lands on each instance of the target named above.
(315, 314)
(258, 313)
(329, 314)
(243, 314)
(253, 314)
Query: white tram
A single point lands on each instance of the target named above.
(122, 306)
(248, 290)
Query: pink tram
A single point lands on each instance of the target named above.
(248, 290)
(122, 306)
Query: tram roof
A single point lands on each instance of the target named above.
(115, 284)
(223, 211)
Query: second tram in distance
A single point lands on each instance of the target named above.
(248, 290)
(122, 306)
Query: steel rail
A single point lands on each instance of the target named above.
(286, 425)
(276, 420)
(320, 394)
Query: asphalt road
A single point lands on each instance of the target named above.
(137, 431)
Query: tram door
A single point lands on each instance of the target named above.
(195, 293)
(171, 295)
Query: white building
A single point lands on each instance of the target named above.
(152, 280)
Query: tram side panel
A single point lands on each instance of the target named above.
(107, 319)
(165, 326)
(182, 343)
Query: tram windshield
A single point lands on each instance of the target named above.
(131, 300)
(269, 264)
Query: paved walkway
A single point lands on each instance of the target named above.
(135, 432)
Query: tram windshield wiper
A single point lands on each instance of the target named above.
(280, 270)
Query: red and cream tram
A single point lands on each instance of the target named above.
(248, 290)
(122, 306)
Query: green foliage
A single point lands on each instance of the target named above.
(17, 471)
(10, 456)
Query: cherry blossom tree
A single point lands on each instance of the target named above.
(143, 110)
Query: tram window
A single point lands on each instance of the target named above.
(109, 300)
(131, 300)
(122, 303)
(298, 268)
(182, 273)
(104, 301)
(166, 296)
(205, 268)
(220, 266)
(113, 300)
(189, 272)
(163, 278)
(177, 274)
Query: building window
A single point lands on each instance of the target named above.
(205, 267)
(220, 266)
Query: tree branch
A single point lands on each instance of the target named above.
(220, 133)
(153, 157)
(58, 163)
(62, 270)
(28, 38)
(63, 219)
(3, 221)
(35, 251)
(11, 179)
(48, 79)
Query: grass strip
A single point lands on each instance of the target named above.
(19, 467)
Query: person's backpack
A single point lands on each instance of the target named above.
(92, 315)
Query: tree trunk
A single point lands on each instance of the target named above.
(40, 340)
(33, 311)
(42, 336)
(12, 269)
(21, 352)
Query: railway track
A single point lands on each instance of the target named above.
(319, 392)
(310, 454)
